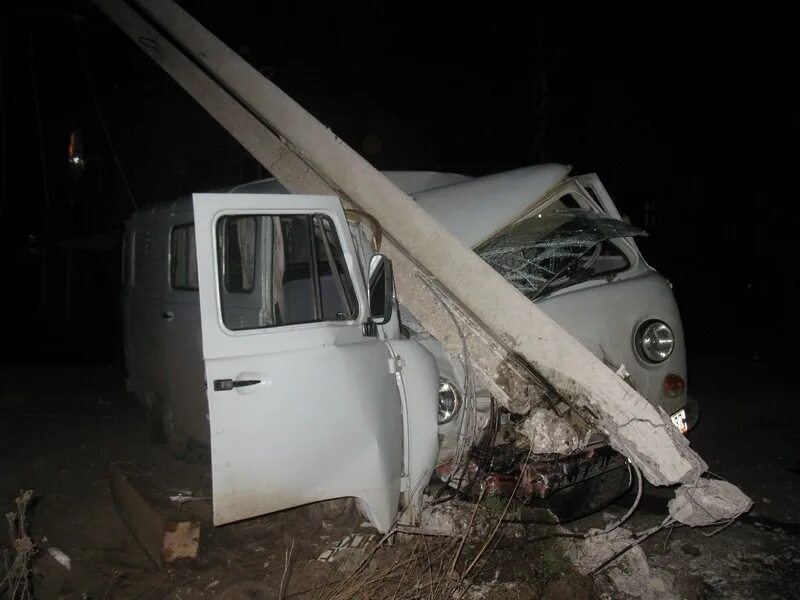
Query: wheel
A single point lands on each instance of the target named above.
(152, 410)
(177, 442)
(588, 496)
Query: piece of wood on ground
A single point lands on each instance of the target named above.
(166, 532)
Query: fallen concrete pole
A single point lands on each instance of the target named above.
(518, 350)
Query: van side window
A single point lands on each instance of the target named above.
(127, 259)
(141, 254)
(282, 270)
(183, 258)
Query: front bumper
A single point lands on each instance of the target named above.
(537, 478)
(505, 471)
(692, 409)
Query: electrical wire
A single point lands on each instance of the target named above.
(100, 117)
(42, 155)
(3, 144)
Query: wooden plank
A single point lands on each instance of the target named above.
(165, 532)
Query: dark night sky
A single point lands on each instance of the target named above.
(699, 117)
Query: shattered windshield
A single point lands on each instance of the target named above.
(553, 249)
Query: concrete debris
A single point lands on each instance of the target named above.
(708, 502)
(589, 554)
(547, 433)
(350, 551)
(449, 519)
(629, 573)
(62, 559)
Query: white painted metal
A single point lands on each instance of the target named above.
(474, 210)
(418, 379)
(325, 421)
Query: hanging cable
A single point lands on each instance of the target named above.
(100, 115)
(41, 134)
(3, 151)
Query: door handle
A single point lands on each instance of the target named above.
(224, 385)
(168, 315)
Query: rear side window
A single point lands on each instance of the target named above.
(141, 256)
(282, 270)
(127, 259)
(183, 258)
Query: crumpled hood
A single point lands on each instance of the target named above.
(475, 210)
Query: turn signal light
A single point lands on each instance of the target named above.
(674, 385)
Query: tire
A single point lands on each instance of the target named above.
(588, 496)
(176, 441)
(152, 410)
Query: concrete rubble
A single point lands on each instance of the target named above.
(546, 433)
(708, 502)
(629, 573)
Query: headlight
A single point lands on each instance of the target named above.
(449, 401)
(655, 341)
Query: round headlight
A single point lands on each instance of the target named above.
(449, 401)
(655, 341)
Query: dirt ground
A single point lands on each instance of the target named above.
(61, 427)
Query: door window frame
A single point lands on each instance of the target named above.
(348, 255)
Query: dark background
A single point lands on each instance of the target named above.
(691, 123)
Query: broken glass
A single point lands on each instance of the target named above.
(550, 250)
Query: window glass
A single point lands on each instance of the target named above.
(282, 270)
(239, 251)
(183, 258)
(338, 297)
(556, 248)
(127, 257)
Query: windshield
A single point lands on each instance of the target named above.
(555, 248)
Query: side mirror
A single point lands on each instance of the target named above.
(381, 289)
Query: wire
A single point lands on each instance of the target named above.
(631, 469)
(41, 134)
(100, 115)
(3, 152)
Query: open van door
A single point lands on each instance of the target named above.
(301, 401)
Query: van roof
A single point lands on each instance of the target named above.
(471, 208)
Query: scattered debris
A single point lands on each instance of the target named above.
(547, 433)
(165, 532)
(184, 496)
(16, 581)
(623, 562)
(708, 502)
(350, 551)
(453, 519)
(60, 557)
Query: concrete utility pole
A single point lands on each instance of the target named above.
(521, 355)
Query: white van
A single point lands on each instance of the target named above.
(261, 324)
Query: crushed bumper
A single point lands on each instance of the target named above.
(538, 478)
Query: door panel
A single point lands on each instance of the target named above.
(300, 412)
(183, 357)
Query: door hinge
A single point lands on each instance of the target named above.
(396, 364)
